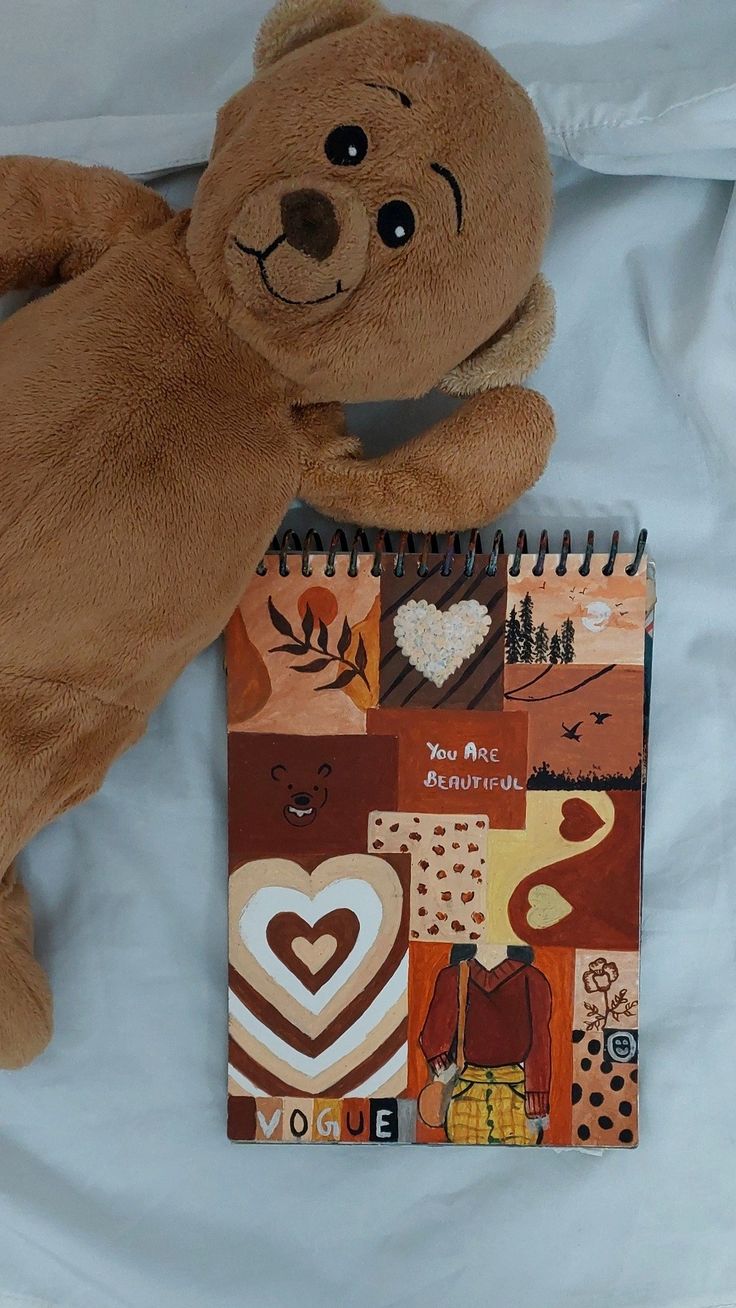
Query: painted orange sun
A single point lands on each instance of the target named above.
(321, 601)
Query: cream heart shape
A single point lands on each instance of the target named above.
(437, 642)
(314, 953)
(311, 1014)
(345, 892)
(354, 881)
(547, 907)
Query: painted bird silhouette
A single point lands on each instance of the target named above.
(600, 717)
(571, 733)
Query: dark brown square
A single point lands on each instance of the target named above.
(478, 681)
(306, 796)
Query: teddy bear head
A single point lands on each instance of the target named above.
(373, 214)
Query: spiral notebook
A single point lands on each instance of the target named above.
(437, 763)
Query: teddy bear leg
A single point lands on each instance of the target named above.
(26, 1013)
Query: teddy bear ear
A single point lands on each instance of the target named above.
(514, 352)
(292, 23)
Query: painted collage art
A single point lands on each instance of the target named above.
(435, 820)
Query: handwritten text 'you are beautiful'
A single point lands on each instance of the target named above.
(467, 779)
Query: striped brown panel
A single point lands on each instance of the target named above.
(478, 683)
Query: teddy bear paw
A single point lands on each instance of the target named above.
(26, 1011)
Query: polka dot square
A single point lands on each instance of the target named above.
(604, 1095)
(448, 870)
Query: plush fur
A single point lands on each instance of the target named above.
(161, 408)
(514, 352)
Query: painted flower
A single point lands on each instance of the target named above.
(600, 975)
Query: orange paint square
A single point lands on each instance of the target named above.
(269, 1119)
(356, 1121)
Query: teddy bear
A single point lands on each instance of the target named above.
(370, 224)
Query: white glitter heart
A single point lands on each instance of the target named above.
(437, 643)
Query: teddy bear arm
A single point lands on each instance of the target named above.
(462, 472)
(57, 219)
(322, 435)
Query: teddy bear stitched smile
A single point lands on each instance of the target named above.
(307, 236)
(262, 256)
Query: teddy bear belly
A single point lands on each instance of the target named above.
(132, 510)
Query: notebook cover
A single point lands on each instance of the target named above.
(431, 775)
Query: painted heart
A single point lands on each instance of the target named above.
(546, 907)
(345, 894)
(436, 642)
(579, 820)
(313, 953)
(540, 852)
(318, 975)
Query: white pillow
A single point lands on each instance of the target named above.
(639, 87)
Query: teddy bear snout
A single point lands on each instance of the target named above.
(301, 242)
(310, 223)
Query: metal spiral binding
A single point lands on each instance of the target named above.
(291, 545)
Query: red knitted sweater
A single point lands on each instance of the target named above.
(507, 1021)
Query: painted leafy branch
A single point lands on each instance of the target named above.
(301, 646)
(622, 1006)
(596, 1019)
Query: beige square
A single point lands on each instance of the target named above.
(448, 870)
(606, 990)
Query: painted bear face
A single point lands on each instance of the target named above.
(304, 796)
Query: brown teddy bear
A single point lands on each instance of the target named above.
(370, 224)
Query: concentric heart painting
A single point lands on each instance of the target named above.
(435, 796)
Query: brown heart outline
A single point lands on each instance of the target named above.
(286, 930)
(311, 1033)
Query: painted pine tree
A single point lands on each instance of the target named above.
(513, 637)
(567, 644)
(526, 642)
(541, 644)
(555, 649)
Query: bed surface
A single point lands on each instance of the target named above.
(117, 1185)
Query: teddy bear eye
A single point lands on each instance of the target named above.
(346, 146)
(395, 223)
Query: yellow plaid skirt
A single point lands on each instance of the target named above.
(487, 1107)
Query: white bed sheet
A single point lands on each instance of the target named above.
(117, 1186)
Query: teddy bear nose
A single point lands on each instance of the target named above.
(310, 223)
(302, 799)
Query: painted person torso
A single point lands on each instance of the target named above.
(507, 1021)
